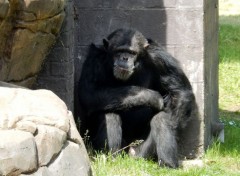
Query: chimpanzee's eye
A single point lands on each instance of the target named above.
(133, 52)
(118, 54)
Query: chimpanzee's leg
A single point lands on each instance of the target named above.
(161, 139)
(109, 134)
(145, 150)
(163, 130)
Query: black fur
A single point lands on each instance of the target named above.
(130, 88)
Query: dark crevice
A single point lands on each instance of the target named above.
(7, 29)
(40, 19)
(25, 79)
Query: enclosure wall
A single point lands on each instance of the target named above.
(187, 28)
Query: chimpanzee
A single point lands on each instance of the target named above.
(131, 88)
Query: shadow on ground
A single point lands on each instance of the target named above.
(229, 115)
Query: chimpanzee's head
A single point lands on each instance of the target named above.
(125, 46)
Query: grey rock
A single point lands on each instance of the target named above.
(62, 167)
(17, 152)
(49, 142)
(36, 127)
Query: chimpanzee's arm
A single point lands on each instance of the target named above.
(98, 92)
(173, 80)
(120, 98)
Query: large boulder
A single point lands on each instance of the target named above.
(28, 29)
(39, 136)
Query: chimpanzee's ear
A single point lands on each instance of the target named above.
(146, 44)
(105, 43)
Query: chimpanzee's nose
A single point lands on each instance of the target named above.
(125, 58)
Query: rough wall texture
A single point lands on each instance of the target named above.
(212, 124)
(58, 71)
(187, 28)
(28, 29)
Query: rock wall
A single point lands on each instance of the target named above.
(28, 29)
(57, 73)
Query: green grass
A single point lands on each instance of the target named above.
(229, 38)
(226, 155)
(229, 88)
(229, 67)
(221, 159)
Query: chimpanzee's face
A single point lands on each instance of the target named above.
(124, 63)
(125, 47)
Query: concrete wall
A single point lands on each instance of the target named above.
(210, 71)
(187, 28)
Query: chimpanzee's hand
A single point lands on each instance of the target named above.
(156, 100)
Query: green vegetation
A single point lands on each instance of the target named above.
(221, 158)
(229, 52)
(230, 37)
